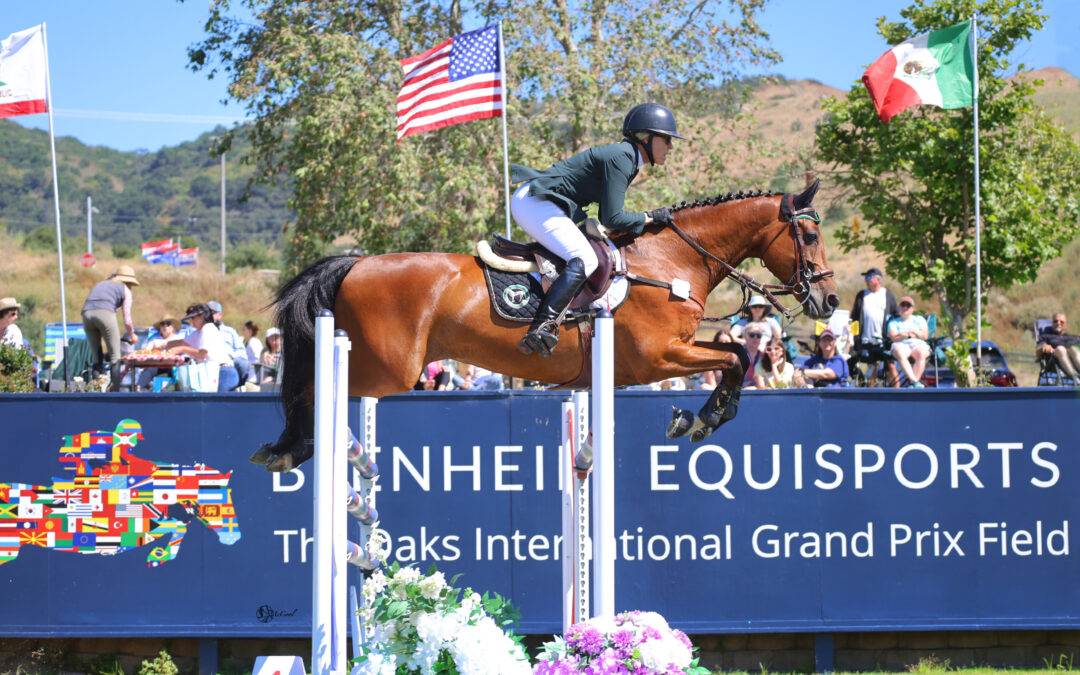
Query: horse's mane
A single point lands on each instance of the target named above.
(721, 198)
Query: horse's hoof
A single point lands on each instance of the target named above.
(681, 423)
(701, 433)
(263, 455)
(282, 463)
(732, 408)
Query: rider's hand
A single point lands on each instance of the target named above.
(661, 216)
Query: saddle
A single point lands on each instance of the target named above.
(519, 274)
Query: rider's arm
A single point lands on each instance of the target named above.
(615, 179)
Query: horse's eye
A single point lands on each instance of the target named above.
(811, 237)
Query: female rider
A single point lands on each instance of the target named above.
(550, 203)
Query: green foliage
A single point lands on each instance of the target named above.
(252, 254)
(929, 665)
(321, 79)
(16, 370)
(124, 251)
(162, 665)
(913, 177)
(1063, 662)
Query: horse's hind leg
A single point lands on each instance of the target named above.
(296, 444)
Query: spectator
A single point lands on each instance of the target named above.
(206, 345)
(233, 341)
(252, 345)
(710, 378)
(755, 333)
(99, 320)
(757, 311)
(163, 330)
(271, 356)
(872, 307)
(909, 333)
(481, 379)
(776, 372)
(1052, 340)
(826, 368)
(9, 332)
(435, 377)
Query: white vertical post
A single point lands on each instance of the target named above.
(324, 505)
(575, 510)
(603, 498)
(339, 489)
(56, 206)
(978, 225)
(223, 214)
(506, 151)
(89, 225)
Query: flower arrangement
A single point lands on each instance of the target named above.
(631, 643)
(420, 624)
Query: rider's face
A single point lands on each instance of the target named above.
(661, 145)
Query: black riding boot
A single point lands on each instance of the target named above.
(544, 333)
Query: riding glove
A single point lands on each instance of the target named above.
(661, 216)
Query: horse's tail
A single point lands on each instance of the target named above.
(295, 306)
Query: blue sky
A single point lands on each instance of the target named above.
(119, 76)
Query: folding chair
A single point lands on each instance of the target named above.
(1050, 372)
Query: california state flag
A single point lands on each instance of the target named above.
(931, 69)
(22, 73)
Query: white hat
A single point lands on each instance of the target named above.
(271, 332)
(8, 303)
(758, 301)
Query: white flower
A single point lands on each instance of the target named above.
(377, 664)
(432, 586)
(406, 575)
(659, 655)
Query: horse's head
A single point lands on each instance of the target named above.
(214, 506)
(792, 249)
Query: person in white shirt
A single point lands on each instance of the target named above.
(871, 308)
(253, 345)
(206, 345)
(757, 311)
(9, 332)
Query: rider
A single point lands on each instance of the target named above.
(550, 203)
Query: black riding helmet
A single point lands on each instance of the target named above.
(652, 118)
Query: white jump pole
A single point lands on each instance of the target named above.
(326, 656)
(575, 460)
(603, 498)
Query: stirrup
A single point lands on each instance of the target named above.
(541, 338)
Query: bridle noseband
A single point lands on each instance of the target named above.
(804, 276)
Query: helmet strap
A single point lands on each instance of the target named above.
(646, 146)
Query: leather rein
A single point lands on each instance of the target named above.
(804, 276)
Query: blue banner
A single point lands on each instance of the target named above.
(139, 515)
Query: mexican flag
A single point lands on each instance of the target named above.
(931, 69)
(22, 73)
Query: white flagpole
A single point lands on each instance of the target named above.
(506, 153)
(56, 203)
(978, 241)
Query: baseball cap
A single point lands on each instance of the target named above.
(907, 299)
(873, 272)
(273, 331)
(214, 305)
(827, 331)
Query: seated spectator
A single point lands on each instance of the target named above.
(755, 337)
(163, 330)
(253, 346)
(481, 379)
(206, 345)
(233, 341)
(271, 356)
(1053, 340)
(710, 378)
(757, 311)
(908, 333)
(776, 372)
(826, 368)
(9, 332)
(435, 377)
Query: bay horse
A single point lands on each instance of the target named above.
(404, 310)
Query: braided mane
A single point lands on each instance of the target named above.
(720, 199)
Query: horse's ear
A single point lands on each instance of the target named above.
(806, 197)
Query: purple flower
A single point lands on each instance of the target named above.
(651, 633)
(590, 641)
(623, 641)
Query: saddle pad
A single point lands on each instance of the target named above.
(514, 295)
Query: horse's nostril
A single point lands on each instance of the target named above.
(833, 300)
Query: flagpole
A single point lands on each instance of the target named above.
(56, 206)
(978, 241)
(506, 153)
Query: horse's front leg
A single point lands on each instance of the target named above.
(723, 403)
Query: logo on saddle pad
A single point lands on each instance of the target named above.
(113, 501)
(516, 295)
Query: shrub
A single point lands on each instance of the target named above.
(253, 254)
(162, 665)
(16, 370)
(124, 251)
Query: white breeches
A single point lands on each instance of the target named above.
(545, 222)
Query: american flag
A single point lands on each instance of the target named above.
(456, 81)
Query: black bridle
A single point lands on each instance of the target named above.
(801, 279)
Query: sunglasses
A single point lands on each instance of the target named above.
(906, 304)
(869, 277)
(754, 335)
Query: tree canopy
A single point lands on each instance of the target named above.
(913, 177)
(321, 77)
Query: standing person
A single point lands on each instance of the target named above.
(871, 308)
(550, 203)
(9, 332)
(757, 311)
(909, 333)
(252, 345)
(233, 341)
(826, 368)
(99, 320)
(206, 345)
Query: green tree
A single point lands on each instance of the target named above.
(320, 78)
(913, 177)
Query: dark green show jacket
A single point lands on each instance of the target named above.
(598, 175)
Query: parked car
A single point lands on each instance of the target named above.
(938, 373)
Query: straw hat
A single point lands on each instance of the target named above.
(168, 318)
(125, 274)
(8, 303)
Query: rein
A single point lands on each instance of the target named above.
(800, 281)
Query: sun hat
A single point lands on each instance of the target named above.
(126, 275)
(168, 318)
(199, 309)
(8, 303)
(758, 301)
(214, 305)
(271, 332)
